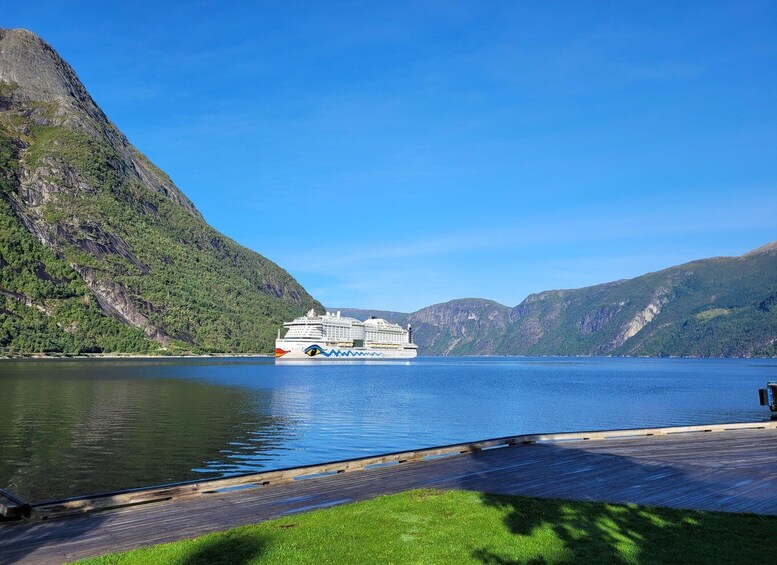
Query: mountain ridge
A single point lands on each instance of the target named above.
(715, 307)
(93, 231)
(101, 252)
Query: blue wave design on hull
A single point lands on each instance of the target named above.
(314, 350)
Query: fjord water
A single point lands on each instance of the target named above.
(70, 427)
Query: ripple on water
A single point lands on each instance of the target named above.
(73, 427)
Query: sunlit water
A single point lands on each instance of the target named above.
(72, 427)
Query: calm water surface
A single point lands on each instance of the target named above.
(71, 427)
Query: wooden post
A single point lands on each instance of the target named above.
(12, 507)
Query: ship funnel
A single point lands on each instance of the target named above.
(409, 333)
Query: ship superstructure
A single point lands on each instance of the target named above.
(332, 336)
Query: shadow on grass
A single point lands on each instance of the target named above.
(233, 548)
(567, 531)
(609, 533)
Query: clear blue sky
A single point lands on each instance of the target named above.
(397, 154)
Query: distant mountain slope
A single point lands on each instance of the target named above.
(459, 325)
(724, 306)
(718, 307)
(99, 250)
(466, 326)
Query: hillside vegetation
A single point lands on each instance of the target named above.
(719, 307)
(99, 250)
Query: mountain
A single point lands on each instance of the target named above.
(718, 307)
(467, 326)
(99, 250)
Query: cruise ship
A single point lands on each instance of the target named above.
(334, 337)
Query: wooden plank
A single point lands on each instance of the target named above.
(701, 470)
(181, 491)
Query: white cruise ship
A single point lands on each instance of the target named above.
(335, 337)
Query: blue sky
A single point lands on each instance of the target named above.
(393, 155)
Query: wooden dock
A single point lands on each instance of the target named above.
(729, 467)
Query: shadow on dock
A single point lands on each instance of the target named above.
(730, 471)
(21, 540)
(627, 532)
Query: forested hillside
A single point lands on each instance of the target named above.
(99, 250)
(718, 307)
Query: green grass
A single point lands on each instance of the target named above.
(713, 313)
(426, 526)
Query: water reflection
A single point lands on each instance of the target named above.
(71, 427)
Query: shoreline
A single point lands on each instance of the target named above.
(41, 356)
(593, 467)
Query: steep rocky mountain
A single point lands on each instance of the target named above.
(99, 250)
(457, 326)
(718, 307)
(467, 326)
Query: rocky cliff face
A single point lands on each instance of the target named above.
(109, 220)
(674, 312)
(468, 326)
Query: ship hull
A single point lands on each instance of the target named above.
(291, 351)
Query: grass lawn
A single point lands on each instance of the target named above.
(427, 526)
